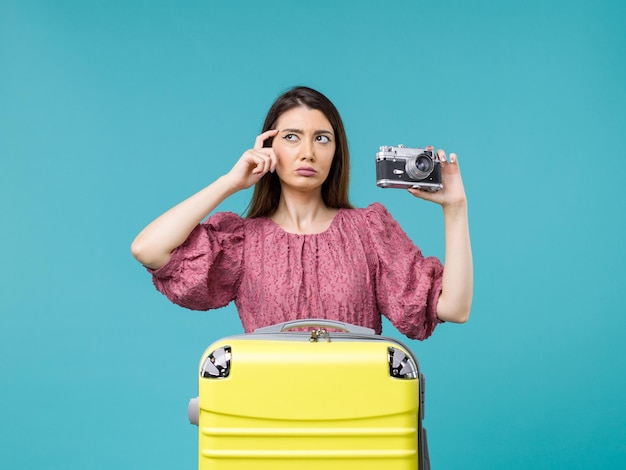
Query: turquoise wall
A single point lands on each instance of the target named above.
(112, 111)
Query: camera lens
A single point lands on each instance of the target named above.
(420, 167)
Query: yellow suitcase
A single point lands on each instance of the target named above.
(279, 399)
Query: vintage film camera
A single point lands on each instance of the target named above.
(403, 167)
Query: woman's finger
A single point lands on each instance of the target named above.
(274, 160)
(422, 194)
(268, 154)
(261, 138)
(262, 162)
(441, 155)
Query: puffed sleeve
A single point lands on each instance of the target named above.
(407, 284)
(204, 272)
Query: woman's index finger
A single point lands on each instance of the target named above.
(261, 138)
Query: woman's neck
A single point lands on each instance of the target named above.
(303, 214)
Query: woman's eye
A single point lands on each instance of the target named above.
(290, 137)
(323, 139)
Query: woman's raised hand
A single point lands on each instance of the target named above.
(453, 192)
(254, 163)
(155, 243)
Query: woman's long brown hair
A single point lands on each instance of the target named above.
(267, 191)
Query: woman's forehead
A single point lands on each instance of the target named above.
(303, 118)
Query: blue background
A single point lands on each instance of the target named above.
(111, 112)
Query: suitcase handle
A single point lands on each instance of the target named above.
(316, 322)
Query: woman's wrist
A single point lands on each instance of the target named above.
(456, 208)
(227, 184)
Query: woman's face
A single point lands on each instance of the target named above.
(305, 147)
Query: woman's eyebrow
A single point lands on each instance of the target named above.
(300, 131)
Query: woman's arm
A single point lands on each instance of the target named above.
(458, 275)
(155, 243)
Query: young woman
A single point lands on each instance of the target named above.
(303, 251)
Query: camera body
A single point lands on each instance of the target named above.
(404, 167)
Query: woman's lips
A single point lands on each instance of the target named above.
(306, 171)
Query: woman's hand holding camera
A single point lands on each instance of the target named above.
(254, 163)
(452, 195)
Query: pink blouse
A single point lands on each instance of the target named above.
(362, 266)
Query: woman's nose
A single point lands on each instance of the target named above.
(307, 151)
